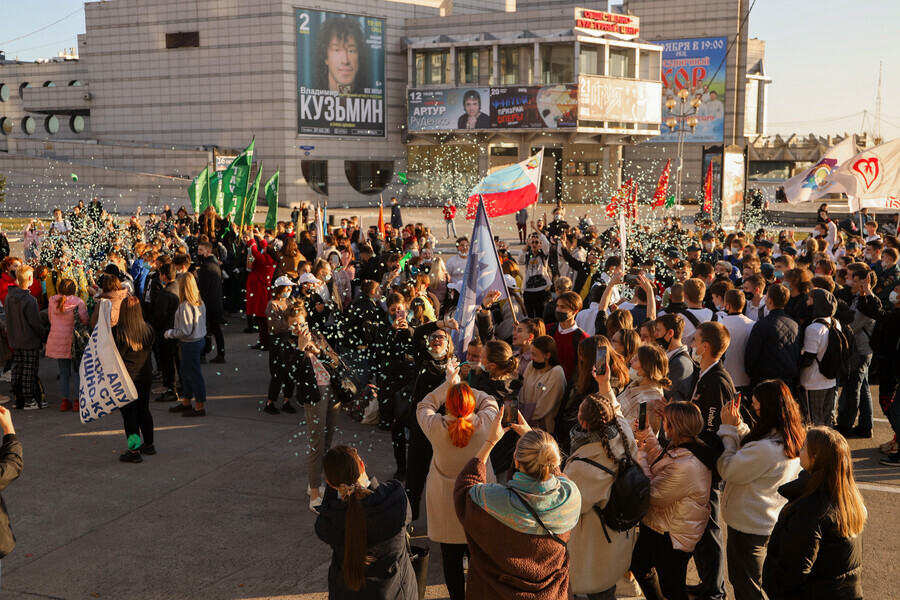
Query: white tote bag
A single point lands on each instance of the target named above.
(105, 384)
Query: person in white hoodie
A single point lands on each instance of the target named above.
(755, 463)
(190, 331)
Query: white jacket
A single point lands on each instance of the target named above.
(752, 474)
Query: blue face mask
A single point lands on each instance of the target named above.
(44, 287)
(779, 274)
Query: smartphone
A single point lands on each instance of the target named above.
(601, 360)
(631, 279)
(642, 416)
(738, 398)
(510, 411)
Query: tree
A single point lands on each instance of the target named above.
(2, 187)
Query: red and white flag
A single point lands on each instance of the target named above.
(508, 190)
(662, 188)
(873, 174)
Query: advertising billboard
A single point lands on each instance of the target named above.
(693, 64)
(534, 107)
(340, 74)
(733, 174)
(618, 100)
(448, 109)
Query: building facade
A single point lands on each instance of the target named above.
(160, 90)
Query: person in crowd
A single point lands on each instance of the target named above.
(560, 286)
(517, 533)
(524, 334)
(280, 348)
(8, 268)
(816, 546)
(63, 311)
(164, 308)
(566, 333)
(668, 330)
(535, 258)
(260, 267)
(189, 329)
(365, 523)
(455, 438)
(134, 341)
(799, 283)
(25, 334)
(543, 386)
(456, 264)
(647, 372)
(11, 463)
(112, 290)
(626, 342)
(603, 438)
(755, 463)
(680, 478)
(739, 326)
(209, 282)
(856, 396)
(819, 391)
(773, 347)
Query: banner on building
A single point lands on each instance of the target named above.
(534, 107)
(449, 109)
(733, 177)
(104, 383)
(340, 74)
(617, 100)
(691, 64)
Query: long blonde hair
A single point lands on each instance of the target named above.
(187, 290)
(832, 476)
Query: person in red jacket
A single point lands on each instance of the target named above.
(449, 213)
(261, 269)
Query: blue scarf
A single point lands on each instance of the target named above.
(557, 501)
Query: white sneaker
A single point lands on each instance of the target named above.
(6, 377)
(4, 399)
(32, 405)
(315, 504)
(321, 490)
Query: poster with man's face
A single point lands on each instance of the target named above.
(340, 74)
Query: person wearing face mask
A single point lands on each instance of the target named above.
(756, 461)
(434, 267)
(773, 348)
(456, 265)
(209, 281)
(668, 330)
(711, 253)
(280, 347)
(535, 258)
(8, 268)
(888, 277)
(647, 372)
(755, 306)
(856, 394)
(565, 331)
(543, 386)
(324, 305)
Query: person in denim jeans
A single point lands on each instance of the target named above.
(63, 308)
(189, 330)
(856, 395)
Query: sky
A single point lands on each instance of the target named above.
(822, 56)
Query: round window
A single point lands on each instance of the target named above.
(76, 124)
(51, 124)
(22, 88)
(74, 83)
(6, 125)
(4, 92)
(49, 84)
(28, 125)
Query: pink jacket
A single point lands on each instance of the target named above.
(62, 325)
(679, 492)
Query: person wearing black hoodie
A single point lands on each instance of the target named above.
(365, 524)
(25, 334)
(819, 391)
(773, 348)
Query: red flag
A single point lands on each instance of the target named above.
(707, 190)
(381, 218)
(662, 188)
(620, 200)
(633, 214)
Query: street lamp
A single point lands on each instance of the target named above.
(686, 114)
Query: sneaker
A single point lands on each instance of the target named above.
(32, 405)
(288, 408)
(219, 360)
(4, 398)
(158, 388)
(180, 408)
(6, 377)
(193, 412)
(148, 449)
(44, 404)
(315, 504)
(892, 461)
(64, 405)
(889, 447)
(321, 490)
(271, 408)
(131, 456)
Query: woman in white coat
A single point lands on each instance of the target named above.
(648, 382)
(595, 564)
(455, 439)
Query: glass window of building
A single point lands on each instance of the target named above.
(51, 124)
(369, 176)
(467, 65)
(28, 125)
(509, 66)
(76, 124)
(557, 64)
(650, 65)
(619, 63)
(49, 84)
(432, 67)
(751, 108)
(22, 88)
(591, 59)
(4, 92)
(6, 125)
(75, 83)
(315, 172)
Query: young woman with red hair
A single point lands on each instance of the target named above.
(455, 438)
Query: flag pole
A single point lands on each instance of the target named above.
(537, 194)
(499, 262)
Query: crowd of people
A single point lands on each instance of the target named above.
(702, 363)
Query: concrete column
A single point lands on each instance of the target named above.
(495, 66)
(536, 75)
(576, 64)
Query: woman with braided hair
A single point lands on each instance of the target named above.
(600, 438)
(365, 523)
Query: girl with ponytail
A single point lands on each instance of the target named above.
(365, 524)
(455, 438)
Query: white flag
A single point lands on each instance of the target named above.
(105, 384)
(890, 202)
(872, 174)
(813, 183)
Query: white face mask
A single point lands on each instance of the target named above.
(634, 375)
(708, 246)
(435, 353)
(894, 298)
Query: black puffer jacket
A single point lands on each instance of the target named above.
(389, 574)
(808, 559)
(773, 349)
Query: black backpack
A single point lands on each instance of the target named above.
(629, 496)
(835, 361)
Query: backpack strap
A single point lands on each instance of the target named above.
(596, 464)
(535, 515)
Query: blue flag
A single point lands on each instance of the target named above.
(482, 274)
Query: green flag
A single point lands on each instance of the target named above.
(670, 201)
(271, 191)
(402, 177)
(249, 205)
(236, 178)
(199, 191)
(217, 192)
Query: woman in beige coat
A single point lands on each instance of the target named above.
(680, 477)
(595, 564)
(455, 439)
(543, 386)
